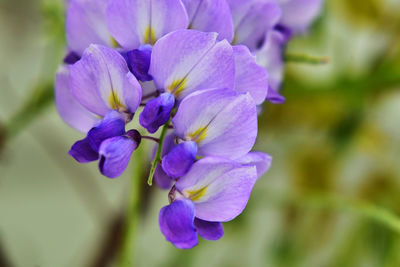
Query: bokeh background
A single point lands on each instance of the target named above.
(331, 198)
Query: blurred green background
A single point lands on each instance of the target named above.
(331, 198)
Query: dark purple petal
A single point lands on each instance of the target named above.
(179, 160)
(209, 230)
(71, 58)
(176, 223)
(112, 125)
(157, 112)
(115, 154)
(82, 152)
(162, 179)
(274, 97)
(139, 62)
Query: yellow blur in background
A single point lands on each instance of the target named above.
(331, 198)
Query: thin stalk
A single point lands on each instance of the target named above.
(157, 157)
(303, 58)
(127, 254)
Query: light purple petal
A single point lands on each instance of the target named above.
(162, 179)
(115, 154)
(261, 160)
(250, 77)
(210, 16)
(101, 81)
(68, 107)
(176, 223)
(136, 22)
(179, 160)
(82, 152)
(219, 188)
(221, 122)
(299, 14)
(187, 60)
(209, 230)
(270, 56)
(252, 19)
(85, 24)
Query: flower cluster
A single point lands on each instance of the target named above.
(200, 68)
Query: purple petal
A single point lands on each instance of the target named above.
(176, 223)
(179, 160)
(221, 122)
(157, 112)
(210, 16)
(136, 22)
(299, 14)
(250, 77)
(162, 179)
(82, 152)
(219, 188)
(209, 230)
(188, 60)
(68, 107)
(112, 125)
(115, 154)
(101, 81)
(270, 57)
(71, 58)
(139, 62)
(274, 97)
(261, 160)
(85, 24)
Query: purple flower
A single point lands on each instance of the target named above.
(139, 62)
(186, 61)
(210, 16)
(85, 25)
(297, 15)
(215, 122)
(215, 190)
(252, 20)
(137, 22)
(101, 81)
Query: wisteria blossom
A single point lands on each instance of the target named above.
(200, 69)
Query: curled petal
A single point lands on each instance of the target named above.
(137, 22)
(179, 160)
(162, 179)
(261, 160)
(115, 154)
(270, 56)
(111, 125)
(187, 60)
(157, 112)
(82, 152)
(220, 188)
(101, 81)
(139, 62)
(209, 230)
(85, 24)
(70, 110)
(250, 77)
(210, 16)
(221, 122)
(176, 223)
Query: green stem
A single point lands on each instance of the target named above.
(127, 255)
(157, 157)
(303, 58)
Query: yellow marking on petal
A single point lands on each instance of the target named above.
(149, 36)
(177, 87)
(115, 102)
(198, 135)
(114, 43)
(195, 195)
